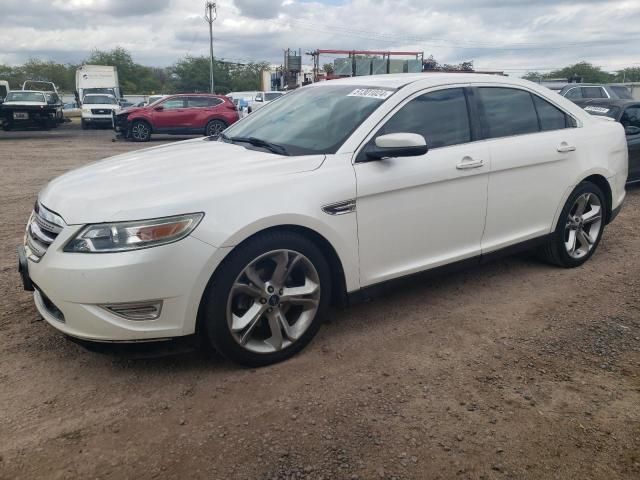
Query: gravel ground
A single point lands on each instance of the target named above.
(511, 370)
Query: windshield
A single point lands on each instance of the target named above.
(25, 97)
(99, 99)
(106, 91)
(154, 99)
(311, 120)
(603, 110)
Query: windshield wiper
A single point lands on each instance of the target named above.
(258, 142)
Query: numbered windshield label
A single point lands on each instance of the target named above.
(371, 93)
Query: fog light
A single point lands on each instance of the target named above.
(136, 310)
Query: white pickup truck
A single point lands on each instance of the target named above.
(98, 109)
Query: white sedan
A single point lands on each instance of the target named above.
(318, 198)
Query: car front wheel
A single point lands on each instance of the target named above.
(579, 229)
(267, 300)
(140, 131)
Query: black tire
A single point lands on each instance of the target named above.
(213, 323)
(83, 125)
(140, 131)
(214, 128)
(555, 252)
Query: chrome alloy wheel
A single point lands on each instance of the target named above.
(215, 128)
(583, 225)
(273, 301)
(140, 131)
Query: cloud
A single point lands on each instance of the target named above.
(514, 35)
(259, 8)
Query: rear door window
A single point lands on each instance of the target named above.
(201, 102)
(593, 92)
(507, 112)
(441, 117)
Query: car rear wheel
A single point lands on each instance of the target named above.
(267, 300)
(579, 229)
(215, 128)
(140, 131)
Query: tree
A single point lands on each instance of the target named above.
(191, 74)
(587, 72)
(328, 68)
(629, 74)
(431, 64)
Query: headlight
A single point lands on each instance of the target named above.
(124, 236)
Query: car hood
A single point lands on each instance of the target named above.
(166, 180)
(132, 110)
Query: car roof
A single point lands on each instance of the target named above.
(29, 91)
(191, 95)
(399, 80)
(99, 95)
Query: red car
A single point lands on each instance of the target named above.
(181, 114)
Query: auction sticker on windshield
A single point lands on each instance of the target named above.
(371, 93)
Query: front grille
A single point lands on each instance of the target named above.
(43, 228)
(101, 111)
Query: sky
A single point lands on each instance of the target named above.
(511, 35)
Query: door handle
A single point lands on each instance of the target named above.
(468, 162)
(564, 147)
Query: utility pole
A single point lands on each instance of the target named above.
(210, 14)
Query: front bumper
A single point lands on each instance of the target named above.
(104, 120)
(121, 124)
(70, 288)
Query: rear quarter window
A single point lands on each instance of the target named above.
(622, 92)
(551, 117)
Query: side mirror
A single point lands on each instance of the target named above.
(630, 130)
(398, 145)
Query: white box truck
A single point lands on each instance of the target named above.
(97, 79)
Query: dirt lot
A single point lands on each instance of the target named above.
(512, 370)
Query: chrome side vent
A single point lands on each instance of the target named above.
(340, 208)
(42, 229)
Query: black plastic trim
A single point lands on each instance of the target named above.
(371, 291)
